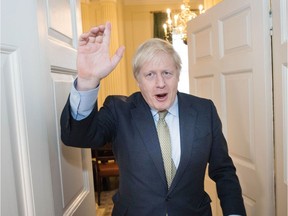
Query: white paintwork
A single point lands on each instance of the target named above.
(39, 175)
(16, 178)
(280, 78)
(230, 62)
(25, 168)
(182, 49)
(73, 190)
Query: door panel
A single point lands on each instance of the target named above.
(60, 20)
(40, 175)
(230, 63)
(25, 171)
(280, 78)
(73, 189)
(72, 179)
(16, 179)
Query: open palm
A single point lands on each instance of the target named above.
(93, 59)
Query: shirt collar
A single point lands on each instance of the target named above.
(173, 110)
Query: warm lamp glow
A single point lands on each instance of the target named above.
(179, 24)
(201, 9)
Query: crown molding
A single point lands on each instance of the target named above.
(150, 2)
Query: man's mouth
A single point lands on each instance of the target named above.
(161, 97)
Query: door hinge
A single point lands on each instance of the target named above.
(270, 22)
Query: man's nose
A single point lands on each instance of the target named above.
(160, 81)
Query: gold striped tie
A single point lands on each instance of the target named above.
(165, 144)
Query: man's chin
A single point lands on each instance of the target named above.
(161, 107)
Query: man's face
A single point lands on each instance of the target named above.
(158, 82)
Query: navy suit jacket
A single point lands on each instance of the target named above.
(127, 122)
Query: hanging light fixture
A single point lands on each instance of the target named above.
(178, 25)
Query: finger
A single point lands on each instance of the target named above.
(117, 56)
(90, 36)
(107, 32)
(97, 30)
(98, 39)
(91, 40)
(84, 38)
(94, 31)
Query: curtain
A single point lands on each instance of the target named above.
(159, 19)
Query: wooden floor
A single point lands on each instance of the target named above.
(105, 209)
(106, 204)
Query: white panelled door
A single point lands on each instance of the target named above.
(71, 170)
(39, 175)
(230, 63)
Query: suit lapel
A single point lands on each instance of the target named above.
(145, 124)
(187, 121)
(146, 127)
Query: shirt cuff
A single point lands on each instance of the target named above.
(82, 102)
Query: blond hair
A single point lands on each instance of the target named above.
(149, 50)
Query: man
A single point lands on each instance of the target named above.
(162, 168)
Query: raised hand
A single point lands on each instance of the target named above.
(93, 58)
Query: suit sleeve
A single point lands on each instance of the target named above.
(94, 131)
(223, 171)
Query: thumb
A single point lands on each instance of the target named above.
(117, 56)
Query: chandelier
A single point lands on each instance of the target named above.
(178, 26)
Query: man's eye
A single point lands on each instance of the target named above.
(167, 74)
(150, 75)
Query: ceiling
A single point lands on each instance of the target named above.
(143, 2)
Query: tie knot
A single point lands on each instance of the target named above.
(162, 114)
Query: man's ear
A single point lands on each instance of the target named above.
(137, 82)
